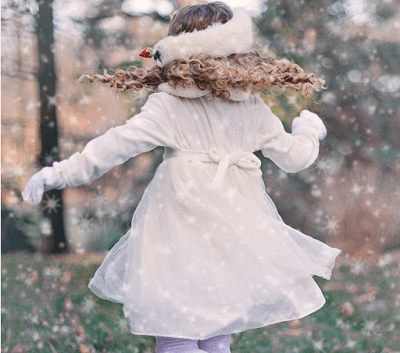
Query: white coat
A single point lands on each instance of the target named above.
(207, 253)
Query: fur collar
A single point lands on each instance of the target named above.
(217, 40)
(195, 92)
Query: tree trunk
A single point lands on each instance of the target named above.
(52, 224)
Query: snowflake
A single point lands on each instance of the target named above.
(191, 220)
(52, 100)
(163, 249)
(88, 305)
(329, 181)
(356, 189)
(357, 268)
(123, 324)
(35, 335)
(328, 165)
(339, 323)
(318, 345)
(292, 99)
(370, 325)
(51, 204)
(68, 144)
(52, 271)
(48, 159)
(351, 344)
(65, 329)
(18, 171)
(385, 260)
(126, 288)
(31, 105)
(85, 100)
(86, 223)
(34, 319)
(73, 120)
(370, 189)
(316, 192)
(331, 225)
(45, 227)
(100, 213)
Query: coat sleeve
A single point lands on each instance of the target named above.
(150, 128)
(290, 152)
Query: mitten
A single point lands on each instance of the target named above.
(308, 120)
(47, 179)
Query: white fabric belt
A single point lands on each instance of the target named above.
(240, 158)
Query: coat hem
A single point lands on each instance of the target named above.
(232, 332)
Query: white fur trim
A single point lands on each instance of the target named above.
(308, 120)
(218, 40)
(195, 92)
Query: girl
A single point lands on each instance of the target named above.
(207, 254)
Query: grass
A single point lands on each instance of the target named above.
(47, 307)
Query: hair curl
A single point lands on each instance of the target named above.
(247, 71)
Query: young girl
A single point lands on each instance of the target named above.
(207, 254)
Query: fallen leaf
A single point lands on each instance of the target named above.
(348, 309)
(295, 324)
(83, 348)
(34, 310)
(68, 304)
(66, 277)
(22, 348)
(34, 276)
(354, 288)
(79, 329)
(369, 296)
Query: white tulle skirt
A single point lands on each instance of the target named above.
(198, 263)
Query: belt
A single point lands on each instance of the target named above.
(240, 158)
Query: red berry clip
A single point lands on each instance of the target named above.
(146, 53)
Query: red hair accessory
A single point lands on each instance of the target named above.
(147, 53)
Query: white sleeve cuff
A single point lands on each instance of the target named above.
(307, 121)
(53, 177)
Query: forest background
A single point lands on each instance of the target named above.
(349, 198)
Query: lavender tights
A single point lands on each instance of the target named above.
(217, 344)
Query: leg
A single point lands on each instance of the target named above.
(217, 344)
(177, 345)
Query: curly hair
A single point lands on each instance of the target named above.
(248, 71)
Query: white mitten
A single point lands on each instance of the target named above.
(308, 119)
(47, 179)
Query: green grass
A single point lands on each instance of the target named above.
(47, 307)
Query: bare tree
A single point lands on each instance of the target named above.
(52, 203)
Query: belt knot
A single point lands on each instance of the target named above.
(242, 159)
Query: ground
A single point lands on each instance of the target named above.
(47, 307)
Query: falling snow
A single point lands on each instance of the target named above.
(362, 79)
(51, 204)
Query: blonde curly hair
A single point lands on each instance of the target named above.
(250, 71)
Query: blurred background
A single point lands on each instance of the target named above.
(349, 198)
